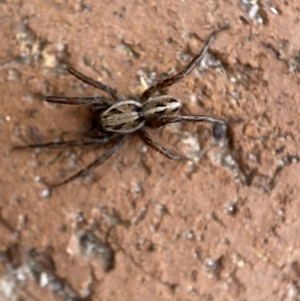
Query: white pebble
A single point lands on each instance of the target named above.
(46, 193)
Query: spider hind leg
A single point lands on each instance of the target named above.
(107, 155)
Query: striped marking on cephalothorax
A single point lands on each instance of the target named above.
(157, 107)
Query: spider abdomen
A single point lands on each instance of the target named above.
(125, 116)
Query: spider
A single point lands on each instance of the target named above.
(117, 117)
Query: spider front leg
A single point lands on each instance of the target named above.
(185, 118)
(149, 141)
(88, 80)
(185, 71)
(112, 151)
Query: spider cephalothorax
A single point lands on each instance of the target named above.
(117, 117)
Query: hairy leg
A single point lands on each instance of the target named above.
(112, 92)
(149, 141)
(70, 143)
(182, 118)
(112, 151)
(186, 70)
(88, 100)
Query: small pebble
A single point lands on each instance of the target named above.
(46, 193)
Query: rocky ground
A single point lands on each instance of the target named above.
(222, 226)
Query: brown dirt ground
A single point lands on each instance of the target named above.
(224, 227)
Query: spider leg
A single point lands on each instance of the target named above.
(112, 92)
(88, 100)
(70, 143)
(94, 164)
(185, 118)
(98, 108)
(185, 71)
(149, 141)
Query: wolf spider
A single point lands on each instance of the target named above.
(117, 117)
